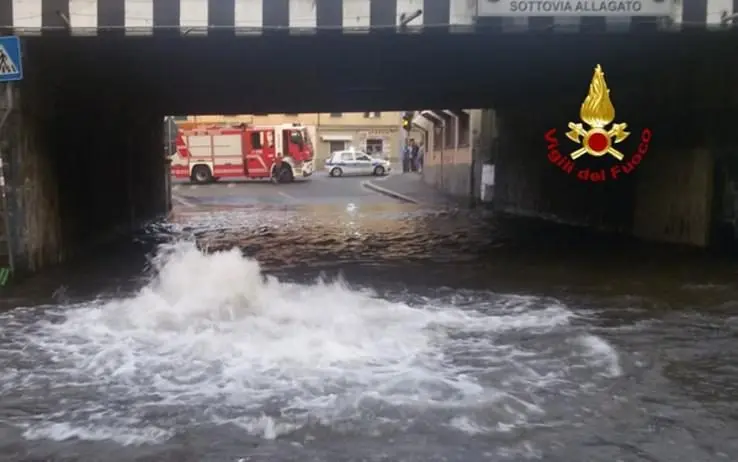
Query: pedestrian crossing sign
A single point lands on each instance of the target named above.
(11, 67)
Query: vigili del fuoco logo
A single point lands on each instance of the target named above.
(597, 140)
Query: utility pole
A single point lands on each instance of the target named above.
(405, 19)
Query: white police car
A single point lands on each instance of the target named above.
(351, 162)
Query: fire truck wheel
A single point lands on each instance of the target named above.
(335, 171)
(285, 174)
(201, 174)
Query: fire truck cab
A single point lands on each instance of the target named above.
(206, 153)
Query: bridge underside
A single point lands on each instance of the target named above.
(83, 147)
(376, 71)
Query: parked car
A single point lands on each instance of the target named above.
(352, 162)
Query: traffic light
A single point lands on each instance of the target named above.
(407, 120)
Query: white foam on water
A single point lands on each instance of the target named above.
(602, 353)
(211, 341)
(126, 436)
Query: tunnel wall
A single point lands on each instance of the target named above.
(667, 198)
(674, 199)
(83, 155)
(671, 196)
(31, 186)
(529, 184)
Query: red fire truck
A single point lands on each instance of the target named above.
(206, 153)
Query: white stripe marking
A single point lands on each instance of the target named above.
(248, 16)
(83, 14)
(462, 12)
(27, 14)
(303, 14)
(715, 9)
(139, 15)
(356, 15)
(193, 17)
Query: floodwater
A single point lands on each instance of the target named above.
(383, 332)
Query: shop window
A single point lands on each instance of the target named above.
(374, 146)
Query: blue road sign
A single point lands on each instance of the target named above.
(11, 66)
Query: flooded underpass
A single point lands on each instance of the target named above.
(371, 331)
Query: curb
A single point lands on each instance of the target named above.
(388, 192)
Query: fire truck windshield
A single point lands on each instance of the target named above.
(296, 137)
(306, 137)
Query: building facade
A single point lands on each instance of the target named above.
(377, 133)
(458, 142)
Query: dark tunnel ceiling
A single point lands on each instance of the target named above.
(190, 75)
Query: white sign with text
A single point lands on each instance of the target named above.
(575, 7)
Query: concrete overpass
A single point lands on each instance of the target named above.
(82, 146)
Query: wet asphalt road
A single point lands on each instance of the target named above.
(317, 189)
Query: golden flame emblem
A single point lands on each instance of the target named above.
(597, 111)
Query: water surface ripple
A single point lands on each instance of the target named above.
(378, 333)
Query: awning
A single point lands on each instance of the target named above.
(431, 115)
(338, 137)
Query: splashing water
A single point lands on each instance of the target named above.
(211, 341)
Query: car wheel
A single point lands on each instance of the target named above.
(378, 170)
(336, 171)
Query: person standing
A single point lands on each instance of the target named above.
(420, 157)
(405, 156)
(413, 155)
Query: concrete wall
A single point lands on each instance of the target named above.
(81, 162)
(529, 184)
(668, 197)
(31, 187)
(677, 193)
(674, 199)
